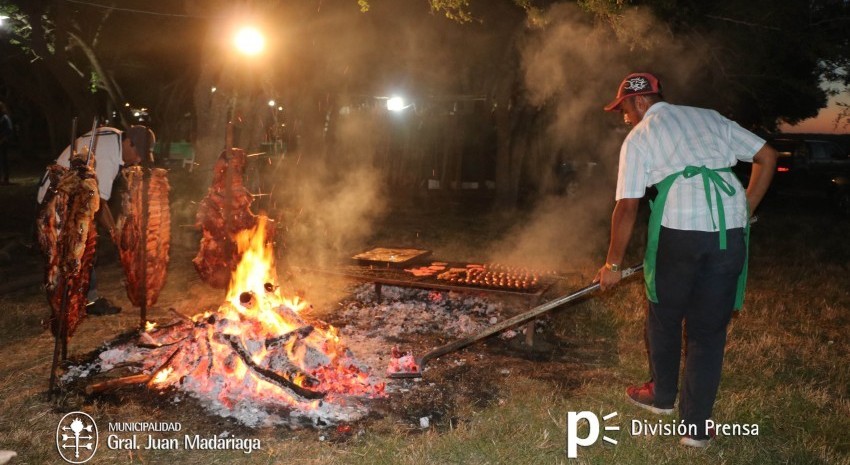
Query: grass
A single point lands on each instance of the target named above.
(786, 369)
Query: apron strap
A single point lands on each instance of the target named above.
(712, 181)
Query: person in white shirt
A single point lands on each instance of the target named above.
(698, 236)
(113, 150)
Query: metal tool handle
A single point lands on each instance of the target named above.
(521, 318)
(73, 139)
(92, 141)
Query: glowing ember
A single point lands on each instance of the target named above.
(149, 326)
(402, 362)
(256, 358)
(162, 376)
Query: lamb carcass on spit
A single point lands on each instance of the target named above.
(154, 255)
(223, 212)
(67, 236)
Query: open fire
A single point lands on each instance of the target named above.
(255, 359)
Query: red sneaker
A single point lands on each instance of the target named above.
(644, 397)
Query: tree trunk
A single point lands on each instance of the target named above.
(70, 82)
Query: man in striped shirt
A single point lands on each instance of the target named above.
(695, 264)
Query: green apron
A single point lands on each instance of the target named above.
(711, 182)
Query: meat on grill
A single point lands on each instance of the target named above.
(67, 236)
(218, 254)
(154, 255)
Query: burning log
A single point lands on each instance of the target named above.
(157, 345)
(164, 370)
(132, 380)
(117, 383)
(287, 380)
(299, 333)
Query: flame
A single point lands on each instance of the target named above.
(254, 332)
(256, 268)
(149, 326)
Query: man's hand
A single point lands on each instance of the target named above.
(106, 220)
(607, 278)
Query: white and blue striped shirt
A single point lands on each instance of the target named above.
(672, 137)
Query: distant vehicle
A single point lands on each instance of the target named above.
(808, 165)
(813, 165)
(810, 162)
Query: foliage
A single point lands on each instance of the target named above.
(770, 57)
(68, 59)
(791, 47)
(61, 34)
(842, 120)
(456, 10)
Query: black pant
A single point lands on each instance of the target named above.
(696, 283)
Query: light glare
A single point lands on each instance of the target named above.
(249, 41)
(395, 104)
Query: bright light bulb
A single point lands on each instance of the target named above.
(271, 103)
(249, 41)
(395, 104)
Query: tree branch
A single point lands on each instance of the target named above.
(109, 84)
(743, 23)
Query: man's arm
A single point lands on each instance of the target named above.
(106, 220)
(764, 165)
(622, 225)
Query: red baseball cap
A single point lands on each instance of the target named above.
(635, 84)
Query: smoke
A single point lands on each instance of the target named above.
(331, 201)
(573, 64)
(332, 194)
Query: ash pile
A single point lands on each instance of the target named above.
(403, 312)
(230, 364)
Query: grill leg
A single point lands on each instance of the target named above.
(529, 333)
(378, 291)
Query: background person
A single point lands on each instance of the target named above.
(6, 132)
(695, 264)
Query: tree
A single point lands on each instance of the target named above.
(767, 59)
(68, 59)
